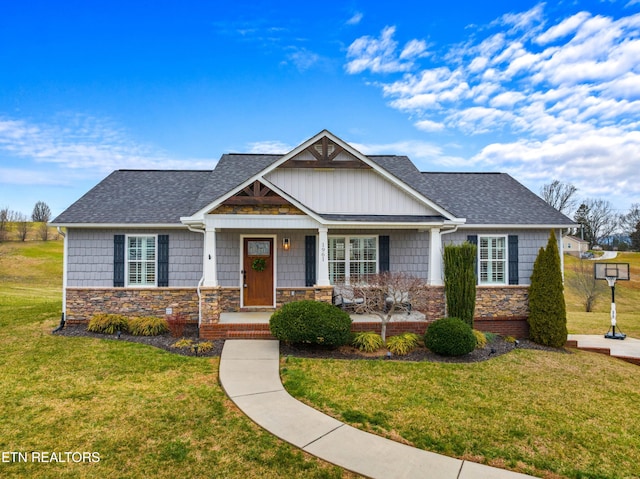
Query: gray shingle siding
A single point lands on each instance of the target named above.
(90, 260)
(409, 252)
(529, 243)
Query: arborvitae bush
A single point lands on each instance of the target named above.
(547, 309)
(108, 323)
(311, 322)
(450, 337)
(460, 281)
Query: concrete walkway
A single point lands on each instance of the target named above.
(250, 375)
(627, 349)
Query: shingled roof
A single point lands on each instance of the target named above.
(164, 196)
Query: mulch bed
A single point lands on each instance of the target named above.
(493, 349)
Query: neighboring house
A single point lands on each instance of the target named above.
(574, 246)
(262, 230)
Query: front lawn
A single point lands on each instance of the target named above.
(145, 412)
(543, 413)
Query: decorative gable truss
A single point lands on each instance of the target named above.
(256, 194)
(325, 154)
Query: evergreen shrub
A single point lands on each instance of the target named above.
(311, 322)
(547, 309)
(460, 281)
(450, 337)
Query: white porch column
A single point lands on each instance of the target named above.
(210, 258)
(323, 257)
(435, 258)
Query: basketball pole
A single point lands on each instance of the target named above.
(611, 334)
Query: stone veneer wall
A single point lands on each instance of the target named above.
(502, 310)
(83, 303)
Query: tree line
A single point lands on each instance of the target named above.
(597, 218)
(14, 220)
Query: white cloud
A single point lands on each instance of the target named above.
(379, 55)
(562, 95)
(355, 19)
(80, 145)
(303, 59)
(269, 147)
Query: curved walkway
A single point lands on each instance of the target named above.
(250, 375)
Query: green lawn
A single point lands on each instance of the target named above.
(146, 412)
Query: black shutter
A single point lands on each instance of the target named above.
(118, 261)
(513, 259)
(163, 260)
(310, 260)
(473, 239)
(383, 244)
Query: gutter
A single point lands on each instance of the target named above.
(64, 281)
(201, 282)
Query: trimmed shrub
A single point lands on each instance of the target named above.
(148, 326)
(460, 281)
(547, 309)
(450, 337)
(108, 323)
(481, 339)
(367, 341)
(403, 344)
(311, 322)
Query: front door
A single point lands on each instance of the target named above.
(257, 285)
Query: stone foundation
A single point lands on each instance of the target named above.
(83, 303)
(501, 310)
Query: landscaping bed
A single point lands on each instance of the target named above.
(495, 348)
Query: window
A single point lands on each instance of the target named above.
(141, 260)
(493, 259)
(352, 257)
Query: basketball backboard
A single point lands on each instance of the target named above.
(617, 271)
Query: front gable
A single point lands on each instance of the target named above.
(326, 176)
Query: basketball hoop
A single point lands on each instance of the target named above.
(612, 272)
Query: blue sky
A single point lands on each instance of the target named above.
(542, 91)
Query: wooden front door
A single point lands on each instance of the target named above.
(258, 261)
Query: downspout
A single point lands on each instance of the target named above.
(64, 281)
(201, 282)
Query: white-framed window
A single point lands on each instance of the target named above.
(492, 259)
(141, 255)
(352, 257)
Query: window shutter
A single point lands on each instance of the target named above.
(473, 239)
(118, 261)
(513, 259)
(163, 260)
(309, 260)
(383, 245)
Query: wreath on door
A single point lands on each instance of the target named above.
(259, 264)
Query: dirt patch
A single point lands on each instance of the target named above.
(497, 347)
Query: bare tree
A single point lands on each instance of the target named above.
(4, 223)
(584, 283)
(629, 221)
(22, 225)
(560, 195)
(41, 213)
(384, 295)
(598, 219)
